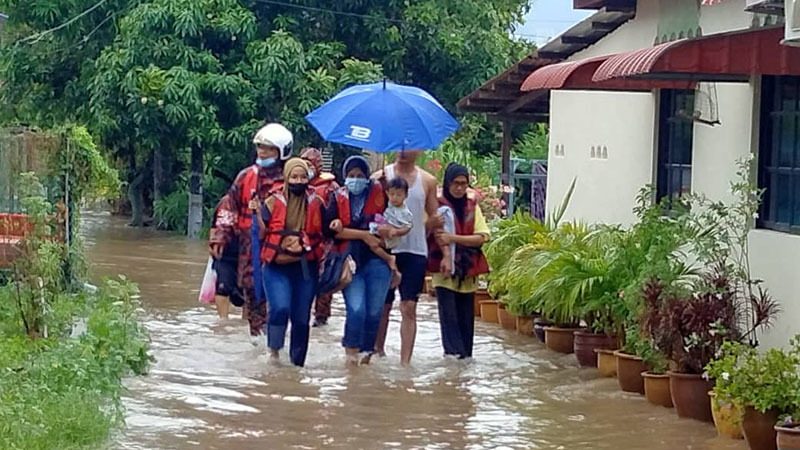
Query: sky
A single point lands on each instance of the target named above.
(549, 18)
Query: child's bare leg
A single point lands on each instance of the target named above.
(391, 261)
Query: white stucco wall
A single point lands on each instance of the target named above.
(607, 184)
(716, 149)
(775, 258)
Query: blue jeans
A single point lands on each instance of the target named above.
(290, 296)
(364, 298)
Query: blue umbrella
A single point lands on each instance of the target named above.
(384, 117)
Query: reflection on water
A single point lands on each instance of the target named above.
(211, 389)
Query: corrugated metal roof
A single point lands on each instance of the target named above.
(500, 97)
(555, 76)
(731, 56)
(632, 63)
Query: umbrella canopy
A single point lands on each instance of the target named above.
(384, 117)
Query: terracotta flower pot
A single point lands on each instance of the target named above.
(506, 319)
(690, 396)
(759, 429)
(606, 363)
(727, 417)
(629, 372)
(656, 389)
(587, 343)
(538, 328)
(788, 436)
(489, 311)
(561, 340)
(525, 325)
(480, 295)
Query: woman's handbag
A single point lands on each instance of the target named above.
(336, 272)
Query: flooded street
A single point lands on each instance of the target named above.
(211, 389)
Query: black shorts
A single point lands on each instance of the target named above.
(413, 268)
(227, 281)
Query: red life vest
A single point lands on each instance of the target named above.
(478, 264)
(376, 203)
(324, 185)
(311, 236)
(249, 185)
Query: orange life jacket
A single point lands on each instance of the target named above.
(478, 264)
(324, 185)
(311, 236)
(376, 203)
(249, 186)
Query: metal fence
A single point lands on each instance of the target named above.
(23, 150)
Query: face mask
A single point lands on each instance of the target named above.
(266, 163)
(311, 174)
(356, 185)
(298, 188)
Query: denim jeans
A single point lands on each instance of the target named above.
(290, 296)
(457, 321)
(364, 299)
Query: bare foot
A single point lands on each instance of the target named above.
(366, 359)
(273, 354)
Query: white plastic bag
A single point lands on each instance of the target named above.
(208, 290)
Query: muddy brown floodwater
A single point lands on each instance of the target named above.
(211, 389)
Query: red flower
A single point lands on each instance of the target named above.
(434, 165)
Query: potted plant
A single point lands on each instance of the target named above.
(489, 310)
(726, 413)
(765, 385)
(656, 380)
(788, 434)
(507, 320)
(630, 366)
(605, 314)
(690, 328)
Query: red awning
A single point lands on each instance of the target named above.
(722, 57)
(578, 75)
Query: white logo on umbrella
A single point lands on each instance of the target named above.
(359, 133)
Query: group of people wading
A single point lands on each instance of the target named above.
(283, 217)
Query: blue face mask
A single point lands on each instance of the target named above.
(356, 185)
(266, 163)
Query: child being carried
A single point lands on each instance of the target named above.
(398, 217)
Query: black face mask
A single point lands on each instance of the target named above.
(298, 188)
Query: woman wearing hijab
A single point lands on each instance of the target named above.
(349, 216)
(289, 256)
(456, 274)
(324, 183)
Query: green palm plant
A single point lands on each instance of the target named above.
(512, 234)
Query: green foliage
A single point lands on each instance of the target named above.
(63, 391)
(534, 143)
(90, 175)
(765, 381)
(60, 387)
(163, 75)
(637, 343)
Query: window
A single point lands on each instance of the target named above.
(779, 154)
(675, 134)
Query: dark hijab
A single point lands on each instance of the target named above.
(453, 171)
(357, 202)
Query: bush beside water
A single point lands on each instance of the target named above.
(63, 391)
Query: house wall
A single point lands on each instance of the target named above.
(609, 167)
(625, 124)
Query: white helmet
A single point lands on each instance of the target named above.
(275, 135)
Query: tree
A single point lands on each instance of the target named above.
(174, 84)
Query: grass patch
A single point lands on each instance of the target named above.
(63, 391)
